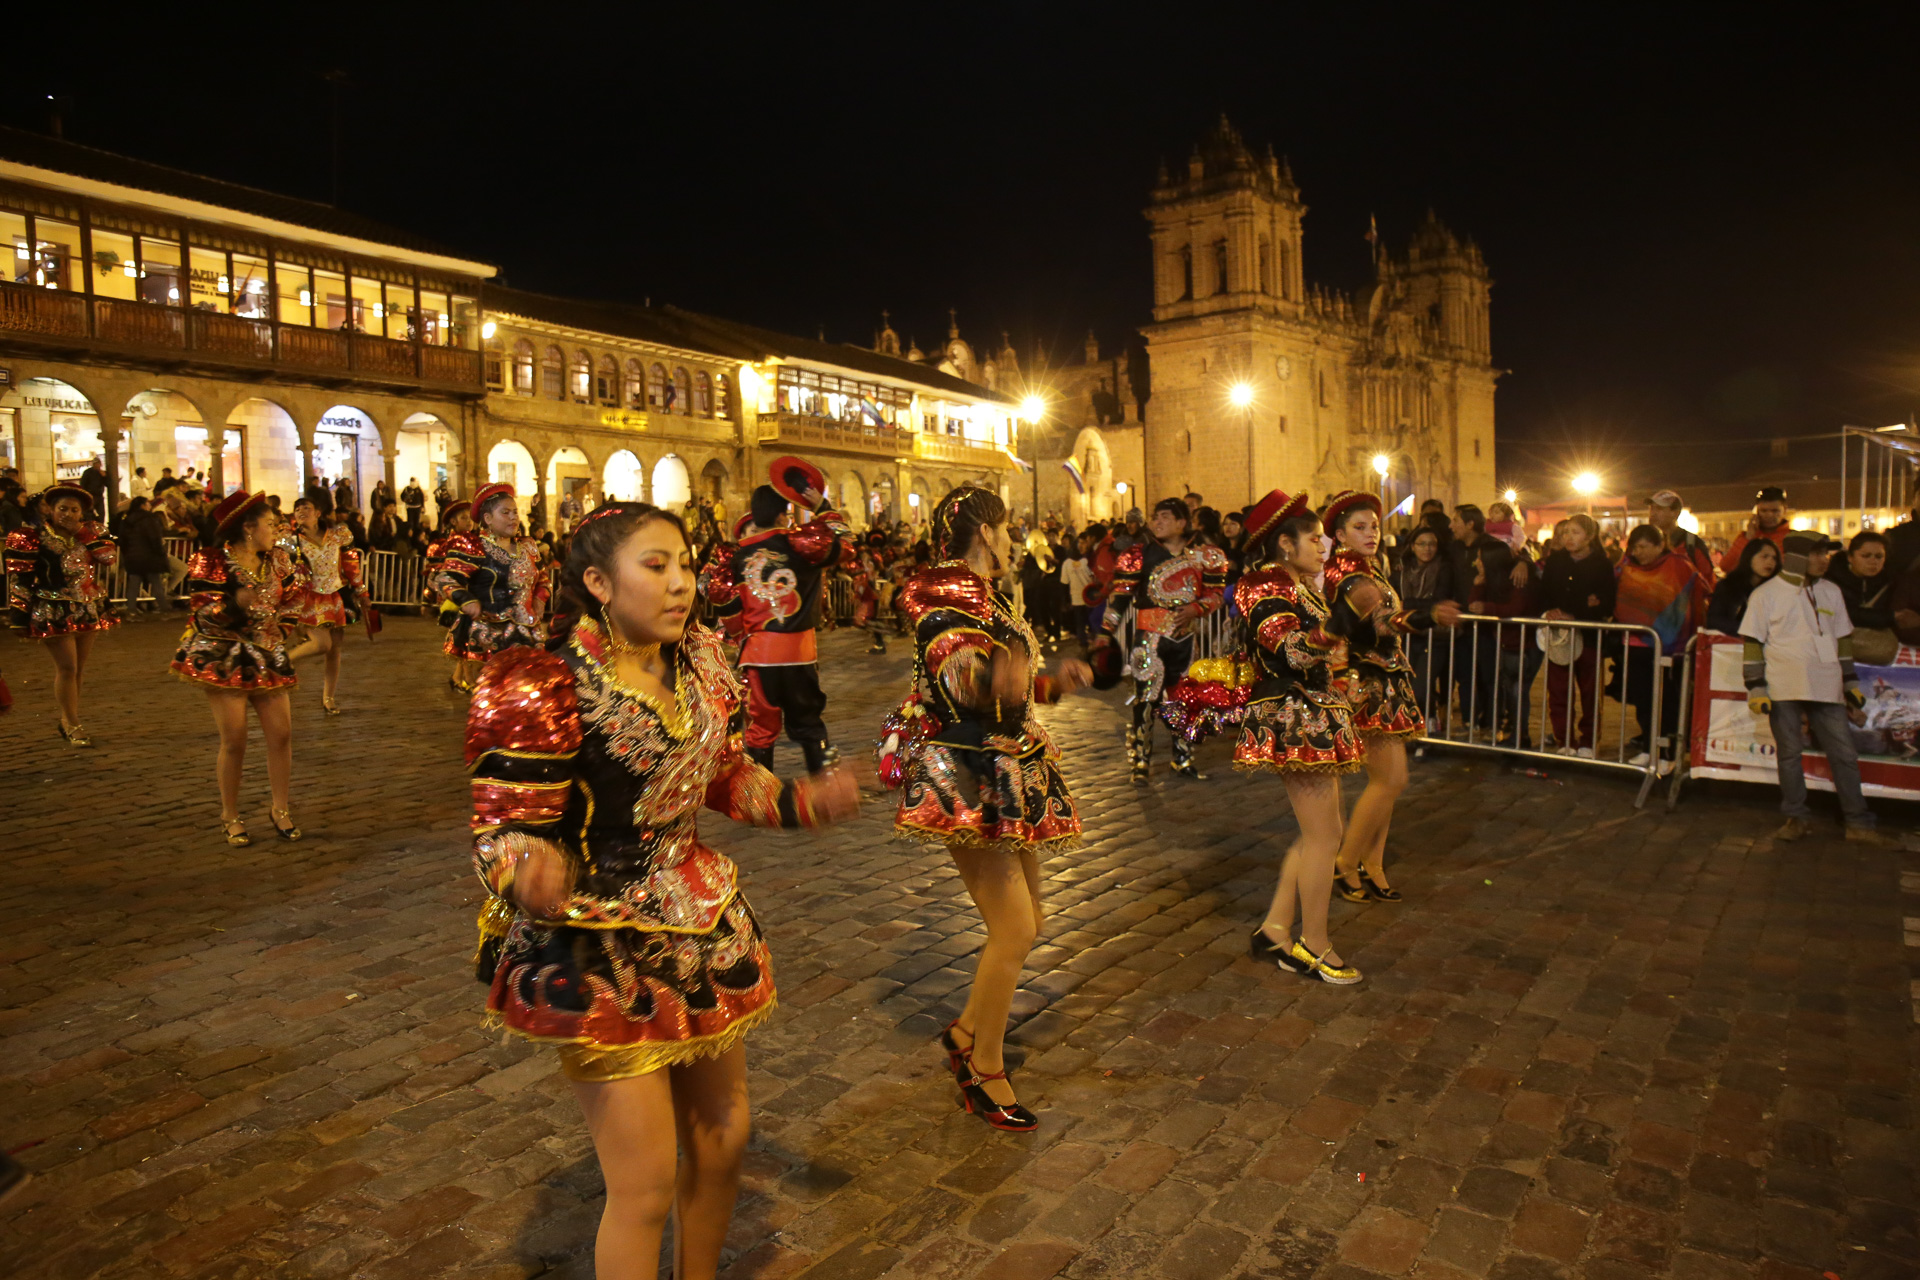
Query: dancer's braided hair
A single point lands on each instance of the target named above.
(960, 515)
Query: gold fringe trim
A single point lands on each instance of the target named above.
(581, 1059)
(1330, 766)
(969, 838)
(493, 922)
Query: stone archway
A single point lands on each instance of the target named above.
(624, 478)
(427, 449)
(671, 484)
(269, 448)
(568, 472)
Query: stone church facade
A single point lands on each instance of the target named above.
(1259, 380)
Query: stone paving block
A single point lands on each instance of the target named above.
(1663, 1045)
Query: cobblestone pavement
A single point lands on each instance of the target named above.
(1593, 1042)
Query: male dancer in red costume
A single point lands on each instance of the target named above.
(1171, 581)
(775, 589)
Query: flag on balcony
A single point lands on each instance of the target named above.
(873, 413)
(1405, 508)
(1073, 472)
(1019, 461)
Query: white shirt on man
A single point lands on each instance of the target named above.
(1799, 625)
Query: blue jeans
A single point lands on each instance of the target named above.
(1829, 723)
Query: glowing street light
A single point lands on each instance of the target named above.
(1381, 464)
(1587, 484)
(1241, 395)
(1512, 496)
(488, 329)
(1034, 408)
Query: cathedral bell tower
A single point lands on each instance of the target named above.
(1226, 232)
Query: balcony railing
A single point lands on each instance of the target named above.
(955, 449)
(134, 327)
(829, 433)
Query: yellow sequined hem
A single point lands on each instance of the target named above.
(968, 838)
(1329, 766)
(592, 1062)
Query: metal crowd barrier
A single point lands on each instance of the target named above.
(1490, 685)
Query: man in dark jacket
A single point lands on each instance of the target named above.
(143, 555)
(94, 481)
(414, 499)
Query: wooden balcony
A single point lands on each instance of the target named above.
(207, 341)
(829, 433)
(866, 438)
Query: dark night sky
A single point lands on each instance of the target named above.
(1699, 227)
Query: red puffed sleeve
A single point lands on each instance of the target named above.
(464, 555)
(820, 540)
(103, 550)
(523, 733)
(23, 574)
(210, 593)
(719, 582)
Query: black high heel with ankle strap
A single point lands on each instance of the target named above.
(956, 1056)
(1010, 1116)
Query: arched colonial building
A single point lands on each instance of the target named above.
(159, 319)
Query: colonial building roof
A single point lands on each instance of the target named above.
(765, 343)
(30, 157)
(665, 327)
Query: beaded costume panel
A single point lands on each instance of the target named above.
(990, 771)
(236, 633)
(1296, 720)
(504, 577)
(655, 958)
(58, 585)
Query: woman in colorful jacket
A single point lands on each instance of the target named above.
(58, 570)
(611, 930)
(1299, 725)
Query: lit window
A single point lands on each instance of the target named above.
(635, 386)
(580, 381)
(523, 367)
(682, 392)
(552, 365)
(657, 387)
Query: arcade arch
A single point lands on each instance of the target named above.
(625, 478)
(672, 486)
(568, 472)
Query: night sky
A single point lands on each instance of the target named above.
(1700, 228)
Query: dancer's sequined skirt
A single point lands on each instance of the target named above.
(968, 797)
(233, 664)
(1300, 732)
(1384, 702)
(480, 638)
(625, 1001)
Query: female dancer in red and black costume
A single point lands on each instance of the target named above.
(330, 593)
(456, 518)
(242, 594)
(57, 591)
(1386, 710)
(611, 930)
(496, 581)
(1297, 725)
(980, 774)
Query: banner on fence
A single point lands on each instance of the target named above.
(1730, 742)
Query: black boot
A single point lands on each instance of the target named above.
(1140, 752)
(820, 755)
(1183, 760)
(762, 756)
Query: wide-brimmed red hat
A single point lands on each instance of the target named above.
(1270, 511)
(66, 489)
(453, 509)
(1344, 501)
(488, 492)
(791, 477)
(233, 510)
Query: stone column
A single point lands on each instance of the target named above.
(216, 460)
(110, 438)
(391, 455)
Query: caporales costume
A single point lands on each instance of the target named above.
(503, 576)
(655, 959)
(1379, 679)
(437, 587)
(1297, 720)
(56, 583)
(774, 586)
(973, 769)
(235, 643)
(1158, 583)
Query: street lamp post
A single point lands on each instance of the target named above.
(1035, 409)
(1242, 397)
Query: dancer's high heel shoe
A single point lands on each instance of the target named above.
(1351, 892)
(1377, 891)
(76, 736)
(288, 832)
(331, 707)
(1010, 1116)
(238, 838)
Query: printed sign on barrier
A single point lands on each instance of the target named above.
(1730, 742)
